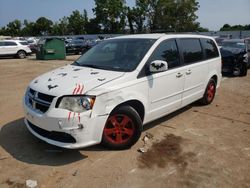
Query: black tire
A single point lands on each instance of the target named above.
(243, 71)
(209, 93)
(21, 54)
(117, 136)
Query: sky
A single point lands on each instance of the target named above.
(212, 14)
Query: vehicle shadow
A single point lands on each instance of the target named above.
(167, 117)
(23, 146)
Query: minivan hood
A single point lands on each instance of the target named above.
(72, 79)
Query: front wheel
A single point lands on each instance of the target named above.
(123, 128)
(243, 70)
(21, 54)
(209, 94)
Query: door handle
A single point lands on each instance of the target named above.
(178, 75)
(188, 72)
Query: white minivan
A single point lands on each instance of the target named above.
(111, 91)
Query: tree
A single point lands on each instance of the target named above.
(227, 27)
(163, 16)
(14, 28)
(175, 15)
(43, 26)
(76, 22)
(61, 27)
(93, 27)
(28, 29)
(3, 31)
(110, 14)
(136, 16)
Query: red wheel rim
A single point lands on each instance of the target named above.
(210, 92)
(119, 129)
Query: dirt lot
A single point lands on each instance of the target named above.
(195, 147)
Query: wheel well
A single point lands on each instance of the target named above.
(137, 105)
(215, 78)
(21, 51)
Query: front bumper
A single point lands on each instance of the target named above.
(72, 130)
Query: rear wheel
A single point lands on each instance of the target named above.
(21, 54)
(209, 94)
(123, 128)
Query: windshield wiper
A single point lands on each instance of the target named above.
(76, 63)
(91, 66)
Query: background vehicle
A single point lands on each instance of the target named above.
(74, 46)
(234, 57)
(247, 42)
(16, 48)
(32, 44)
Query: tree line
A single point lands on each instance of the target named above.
(116, 17)
(228, 27)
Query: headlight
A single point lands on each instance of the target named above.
(76, 103)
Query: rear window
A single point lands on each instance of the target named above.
(24, 43)
(232, 44)
(210, 48)
(192, 51)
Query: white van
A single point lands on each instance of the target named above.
(111, 91)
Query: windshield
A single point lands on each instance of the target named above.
(116, 54)
(240, 45)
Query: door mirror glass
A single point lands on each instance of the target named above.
(158, 66)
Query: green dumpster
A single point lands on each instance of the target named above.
(50, 48)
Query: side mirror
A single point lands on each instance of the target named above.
(158, 66)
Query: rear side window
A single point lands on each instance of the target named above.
(192, 51)
(210, 48)
(24, 43)
(10, 44)
(167, 51)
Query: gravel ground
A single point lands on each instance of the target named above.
(198, 146)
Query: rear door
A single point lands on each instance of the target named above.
(165, 88)
(2, 51)
(11, 47)
(196, 69)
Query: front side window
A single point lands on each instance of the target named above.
(116, 54)
(210, 48)
(192, 51)
(167, 51)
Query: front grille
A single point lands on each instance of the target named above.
(37, 101)
(53, 135)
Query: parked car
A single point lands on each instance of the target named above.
(116, 87)
(221, 38)
(88, 44)
(16, 48)
(234, 57)
(32, 44)
(247, 42)
(74, 46)
(234, 61)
